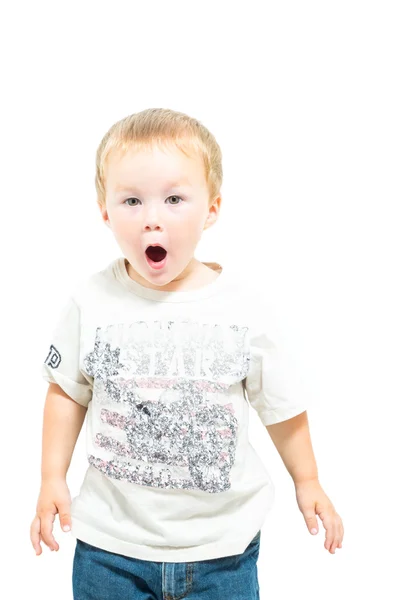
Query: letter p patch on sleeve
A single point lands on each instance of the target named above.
(62, 362)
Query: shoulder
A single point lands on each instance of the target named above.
(90, 288)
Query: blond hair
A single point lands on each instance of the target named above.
(162, 127)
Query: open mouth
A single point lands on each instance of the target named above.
(156, 253)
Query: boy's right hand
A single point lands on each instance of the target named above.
(54, 497)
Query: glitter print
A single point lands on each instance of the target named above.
(160, 402)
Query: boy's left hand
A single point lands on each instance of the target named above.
(313, 501)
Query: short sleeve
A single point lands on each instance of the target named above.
(61, 364)
(273, 385)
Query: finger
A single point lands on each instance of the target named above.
(46, 530)
(335, 542)
(336, 539)
(35, 535)
(65, 517)
(311, 520)
(341, 534)
(330, 532)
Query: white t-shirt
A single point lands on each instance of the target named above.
(167, 378)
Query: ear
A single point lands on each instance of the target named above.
(104, 214)
(213, 212)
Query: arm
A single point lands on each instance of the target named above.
(62, 421)
(293, 442)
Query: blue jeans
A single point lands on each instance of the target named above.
(102, 575)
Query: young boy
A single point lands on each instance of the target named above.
(163, 354)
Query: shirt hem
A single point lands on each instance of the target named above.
(227, 547)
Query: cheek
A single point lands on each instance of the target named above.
(186, 232)
(124, 227)
(193, 218)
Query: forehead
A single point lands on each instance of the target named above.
(169, 167)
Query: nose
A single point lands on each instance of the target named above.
(152, 219)
(152, 224)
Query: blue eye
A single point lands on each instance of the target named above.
(175, 197)
(127, 200)
(130, 199)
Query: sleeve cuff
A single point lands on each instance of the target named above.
(269, 417)
(81, 393)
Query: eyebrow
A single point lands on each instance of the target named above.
(176, 184)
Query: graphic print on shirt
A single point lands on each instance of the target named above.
(160, 402)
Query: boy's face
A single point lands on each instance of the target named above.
(158, 197)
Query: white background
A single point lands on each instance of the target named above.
(303, 98)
